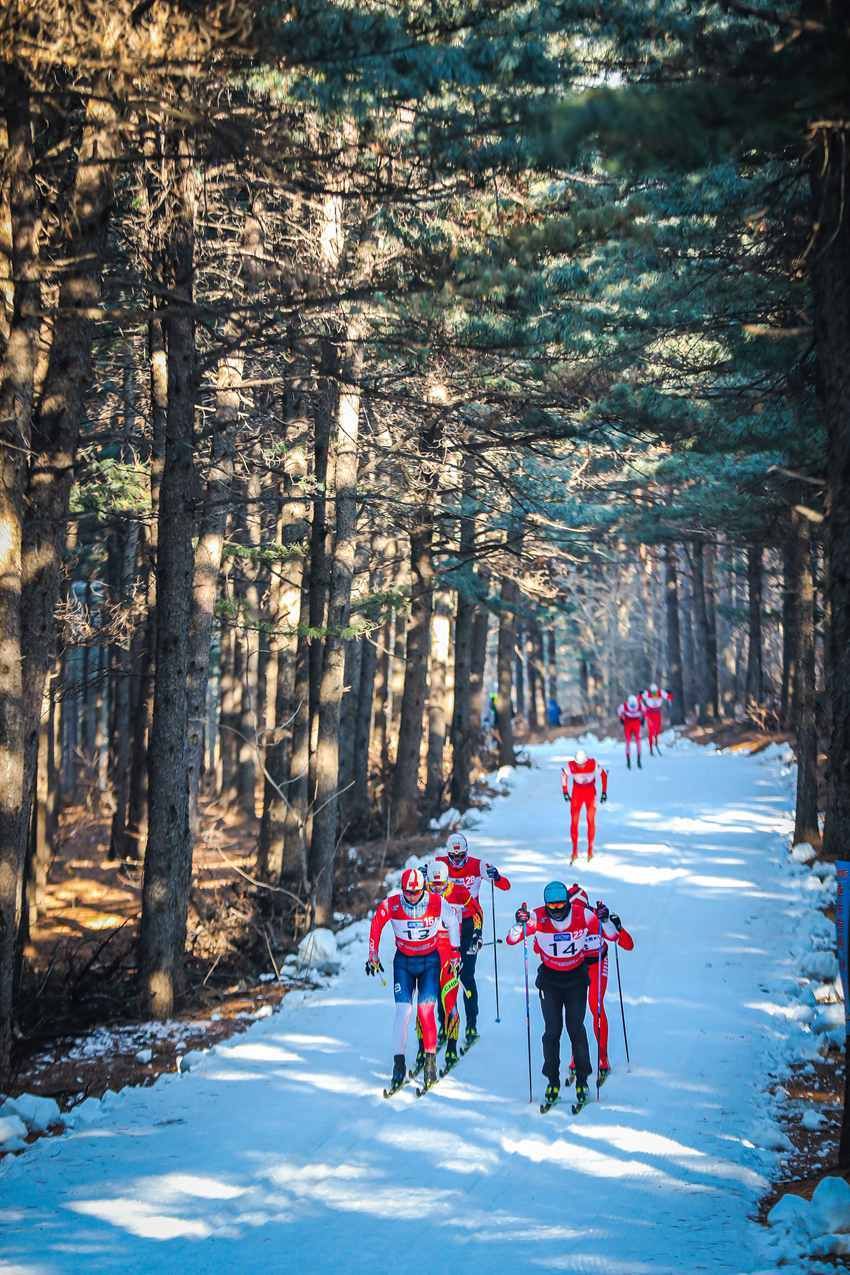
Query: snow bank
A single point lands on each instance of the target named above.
(822, 965)
(802, 852)
(318, 950)
(816, 1228)
(12, 1133)
(37, 1113)
(447, 821)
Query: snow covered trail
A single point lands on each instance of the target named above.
(281, 1155)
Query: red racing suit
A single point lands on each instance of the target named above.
(596, 959)
(470, 874)
(632, 719)
(458, 897)
(652, 706)
(417, 932)
(561, 945)
(582, 796)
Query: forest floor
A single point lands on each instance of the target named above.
(279, 1141)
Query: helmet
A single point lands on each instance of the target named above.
(653, 688)
(438, 876)
(556, 900)
(581, 757)
(457, 848)
(578, 895)
(412, 885)
(632, 701)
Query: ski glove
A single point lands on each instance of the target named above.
(615, 921)
(374, 966)
(566, 795)
(522, 915)
(602, 912)
(475, 945)
(493, 873)
(603, 798)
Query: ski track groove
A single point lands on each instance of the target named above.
(289, 1157)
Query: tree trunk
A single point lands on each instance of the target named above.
(360, 802)
(206, 568)
(710, 594)
(806, 811)
(461, 729)
(519, 669)
(790, 616)
(325, 817)
(16, 391)
(537, 678)
(480, 630)
(675, 681)
(168, 861)
(438, 703)
(405, 809)
(137, 814)
(702, 674)
(551, 664)
(755, 670)
(347, 719)
(505, 661)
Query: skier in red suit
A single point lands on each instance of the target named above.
(653, 701)
(595, 945)
(631, 715)
(561, 930)
(458, 897)
(470, 872)
(416, 917)
(578, 782)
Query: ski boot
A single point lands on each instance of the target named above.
(589, 854)
(582, 1095)
(603, 1074)
(399, 1075)
(429, 1076)
(573, 857)
(640, 767)
(451, 1055)
(650, 749)
(471, 1037)
(628, 761)
(419, 1061)
(550, 1097)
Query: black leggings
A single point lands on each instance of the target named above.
(563, 996)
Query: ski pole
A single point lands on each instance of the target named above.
(527, 1007)
(622, 1010)
(599, 1013)
(495, 954)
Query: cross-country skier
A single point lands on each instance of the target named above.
(470, 872)
(416, 917)
(578, 782)
(599, 978)
(653, 701)
(458, 897)
(631, 715)
(561, 929)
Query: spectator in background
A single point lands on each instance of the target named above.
(553, 712)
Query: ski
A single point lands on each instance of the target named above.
(581, 1101)
(547, 1106)
(421, 1090)
(393, 1089)
(467, 1045)
(451, 1063)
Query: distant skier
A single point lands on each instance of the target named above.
(598, 984)
(416, 917)
(653, 701)
(561, 930)
(458, 897)
(578, 783)
(465, 870)
(631, 715)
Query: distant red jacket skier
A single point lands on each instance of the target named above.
(470, 872)
(631, 714)
(653, 701)
(578, 783)
(596, 947)
(416, 917)
(561, 931)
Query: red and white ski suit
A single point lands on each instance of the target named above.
(578, 783)
(652, 705)
(596, 959)
(562, 945)
(417, 935)
(458, 898)
(632, 719)
(471, 873)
